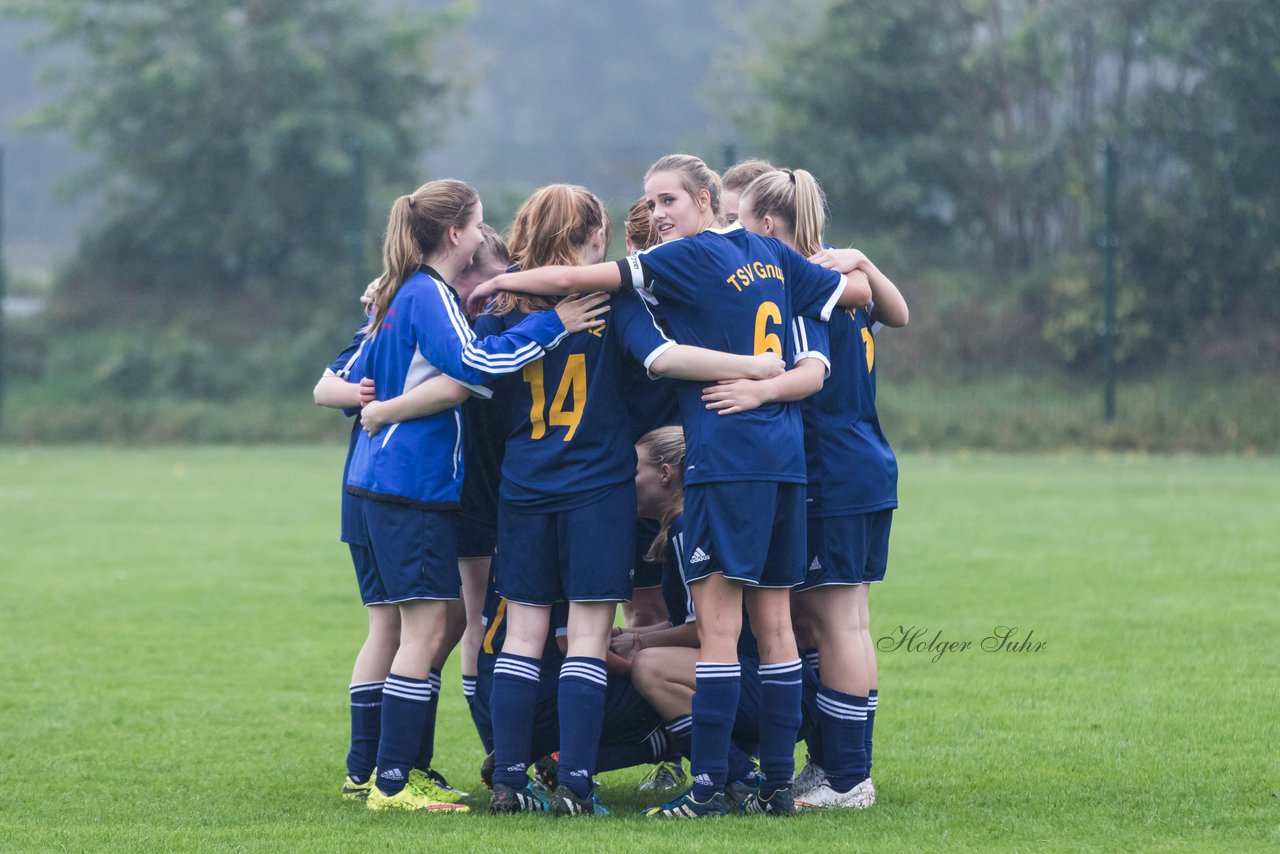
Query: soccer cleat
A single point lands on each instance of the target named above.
(778, 802)
(859, 797)
(810, 777)
(567, 802)
(687, 806)
(353, 791)
(546, 770)
(410, 798)
(486, 770)
(508, 801)
(665, 775)
(433, 784)
(739, 791)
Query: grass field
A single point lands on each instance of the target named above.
(177, 628)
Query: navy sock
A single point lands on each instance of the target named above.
(844, 729)
(404, 707)
(871, 720)
(366, 726)
(740, 764)
(581, 707)
(780, 689)
(478, 706)
(715, 704)
(652, 748)
(428, 746)
(678, 733)
(512, 705)
(810, 657)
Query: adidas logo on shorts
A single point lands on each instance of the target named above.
(699, 556)
(816, 565)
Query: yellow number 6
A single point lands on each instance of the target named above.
(765, 340)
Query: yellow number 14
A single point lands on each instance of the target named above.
(574, 380)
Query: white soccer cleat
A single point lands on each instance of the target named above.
(811, 776)
(859, 797)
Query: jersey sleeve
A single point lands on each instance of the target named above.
(663, 270)
(445, 340)
(345, 365)
(811, 339)
(814, 288)
(638, 330)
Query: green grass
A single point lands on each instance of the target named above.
(179, 625)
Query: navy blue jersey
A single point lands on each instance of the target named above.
(425, 334)
(568, 432)
(734, 291)
(852, 469)
(353, 529)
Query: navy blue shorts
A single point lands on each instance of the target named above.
(647, 574)
(476, 537)
(415, 551)
(371, 592)
(848, 550)
(752, 531)
(582, 555)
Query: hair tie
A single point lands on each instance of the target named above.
(410, 198)
(791, 175)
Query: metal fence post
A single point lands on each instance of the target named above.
(1111, 242)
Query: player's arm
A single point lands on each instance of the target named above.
(734, 396)
(890, 306)
(685, 362)
(555, 280)
(336, 393)
(631, 641)
(812, 359)
(435, 395)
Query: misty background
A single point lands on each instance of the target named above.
(191, 207)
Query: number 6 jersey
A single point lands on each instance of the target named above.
(729, 289)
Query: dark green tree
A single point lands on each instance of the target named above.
(229, 134)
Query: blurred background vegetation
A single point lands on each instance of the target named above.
(194, 191)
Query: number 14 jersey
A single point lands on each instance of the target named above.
(570, 436)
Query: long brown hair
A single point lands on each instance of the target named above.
(551, 227)
(665, 446)
(416, 228)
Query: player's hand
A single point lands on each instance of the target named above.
(481, 294)
(583, 312)
(765, 365)
(729, 397)
(841, 260)
(367, 394)
(373, 417)
(625, 645)
(366, 298)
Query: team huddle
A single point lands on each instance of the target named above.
(689, 432)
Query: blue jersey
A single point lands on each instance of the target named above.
(568, 435)
(425, 334)
(852, 469)
(734, 291)
(353, 529)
